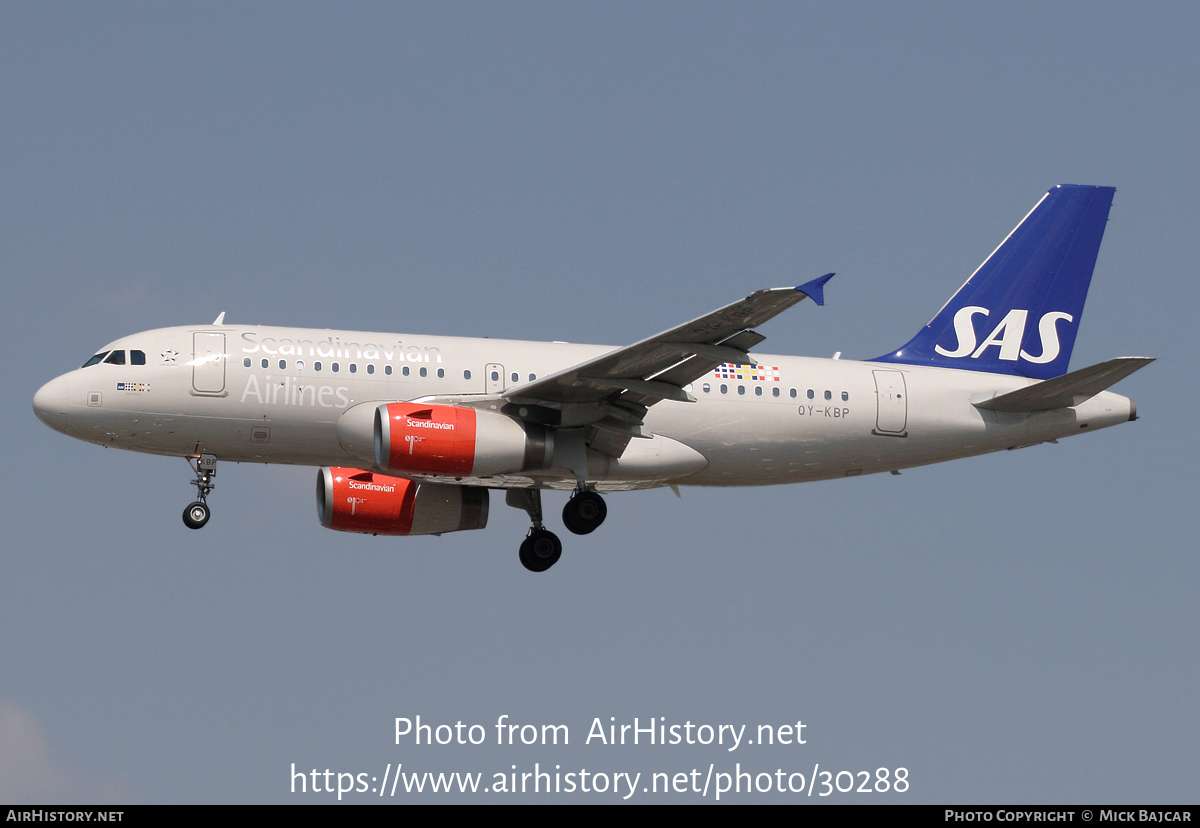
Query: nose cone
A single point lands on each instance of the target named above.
(50, 404)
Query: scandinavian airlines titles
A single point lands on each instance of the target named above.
(294, 393)
(291, 391)
(333, 347)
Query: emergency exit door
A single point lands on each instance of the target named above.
(493, 377)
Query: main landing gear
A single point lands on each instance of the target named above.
(541, 549)
(197, 512)
(584, 512)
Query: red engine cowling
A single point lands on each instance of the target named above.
(353, 500)
(456, 441)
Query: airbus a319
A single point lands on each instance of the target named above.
(412, 433)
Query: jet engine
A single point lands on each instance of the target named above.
(353, 500)
(455, 441)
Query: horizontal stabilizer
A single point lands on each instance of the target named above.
(1069, 389)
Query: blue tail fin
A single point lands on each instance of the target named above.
(1020, 311)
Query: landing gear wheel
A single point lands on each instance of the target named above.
(584, 512)
(541, 550)
(196, 515)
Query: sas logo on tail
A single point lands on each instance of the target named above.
(1007, 336)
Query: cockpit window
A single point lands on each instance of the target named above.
(94, 359)
(137, 357)
(115, 358)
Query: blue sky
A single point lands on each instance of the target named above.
(1018, 627)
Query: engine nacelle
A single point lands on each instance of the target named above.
(456, 441)
(353, 500)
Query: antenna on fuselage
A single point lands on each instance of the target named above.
(220, 320)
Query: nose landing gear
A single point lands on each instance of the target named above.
(197, 512)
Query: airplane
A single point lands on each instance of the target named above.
(412, 432)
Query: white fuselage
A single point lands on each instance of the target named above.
(275, 395)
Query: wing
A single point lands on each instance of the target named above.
(613, 391)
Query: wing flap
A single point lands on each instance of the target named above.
(716, 353)
(647, 388)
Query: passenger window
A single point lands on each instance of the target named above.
(282, 364)
(266, 363)
(115, 358)
(758, 390)
(404, 370)
(370, 368)
(774, 392)
(810, 394)
(532, 377)
(845, 397)
(137, 357)
(333, 366)
(94, 359)
(741, 389)
(724, 389)
(353, 368)
(441, 373)
(495, 376)
(299, 365)
(514, 376)
(466, 374)
(793, 393)
(246, 362)
(829, 395)
(387, 369)
(424, 371)
(316, 366)
(706, 388)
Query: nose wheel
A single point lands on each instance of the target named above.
(196, 515)
(197, 512)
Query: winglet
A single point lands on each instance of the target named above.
(815, 288)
